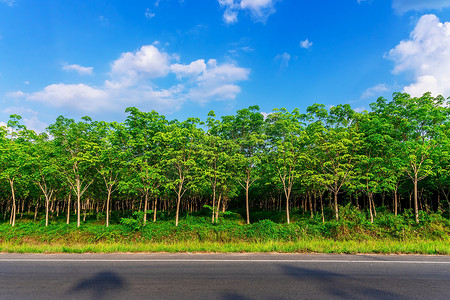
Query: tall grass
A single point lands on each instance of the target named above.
(353, 233)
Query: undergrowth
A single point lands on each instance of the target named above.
(353, 232)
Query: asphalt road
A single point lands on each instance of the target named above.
(223, 276)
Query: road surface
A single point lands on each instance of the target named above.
(223, 276)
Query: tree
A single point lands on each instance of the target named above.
(417, 122)
(246, 129)
(74, 164)
(145, 152)
(180, 142)
(336, 141)
(107, 156)
(216, 162)
(43, 168)
(286, 149)
(13, 157)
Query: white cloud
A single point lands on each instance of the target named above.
(8, 2)
(306, 44)
(149, 14)
(284, 59)
(147, 62)
(194, 68)
(375, 91)
(79, 69)
(426, 56)
(211, 80)
(131, 84)
(79, 96)
(403, 6)
(260, 10)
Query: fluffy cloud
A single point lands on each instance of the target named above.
(147, 62)
(306, 44)
(426, 56)
(375, 91)
(403, 6)
(82, 96)
(79, 69)
(260, 10)
(211, 80)
(131, 83)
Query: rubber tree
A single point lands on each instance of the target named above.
(42, 167)
(144, 152)
(180, 156)
(417, 122)
(246, 130)
(216, 162)
(108, 158)
(336, 141)
(73, 142)
(286, 149)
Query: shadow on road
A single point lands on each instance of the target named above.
(99, 286)
(234, 296)
(336, 285)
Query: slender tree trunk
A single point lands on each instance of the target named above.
(155, 206)
(246, 198)
(310, 206)
(47, 202)
(214, 204)
(78, 207)
(13, 212)
(180, 188)
(416, 210)
(107, 207)
(336, 209)
(68, 210)
(36, 209)
(218, 206)
(370, 207)
(145, 207)
(288, 194)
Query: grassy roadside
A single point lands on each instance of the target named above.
(303, 246)
(353, 233)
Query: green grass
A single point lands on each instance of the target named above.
(353, 233)
(304, 246)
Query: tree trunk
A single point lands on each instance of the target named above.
(214, 204)
(155, 208)
(218, 207)
(178, 209)
(47, 202)
(370, 207)
(416, 209)
(246, 199)
(288, 194)
(68, 210)
(145, 207)
(36, 209)
(310, 206)
(107, 207)
(336, 209)
(13, 212)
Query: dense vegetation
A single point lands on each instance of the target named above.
(391, 162)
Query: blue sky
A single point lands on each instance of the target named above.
(184, 58)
